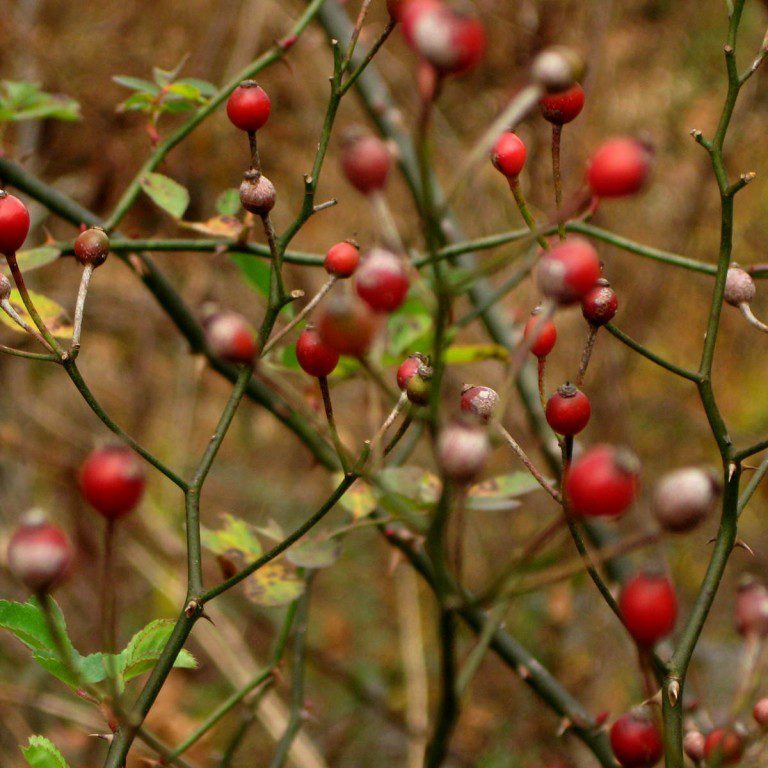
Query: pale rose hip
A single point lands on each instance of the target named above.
(561, 108)
(684, 497)
(451, 42)
(508, 155)
(723, 747)
(347, 325)
(760, 712)
(365, 161)
(751, 608)
(600, 304)
(619, 167)
(382, 280)
(636, 740)
(39, 554)
(408, 369)
(567, 272)
(248, 106)
(342, 259)
(479, 402)
(540, 333)
(315, 358)
(231, 337)
(603, 482)
(409, 12)
(557, 68)
(568, 410)
(648, 607)
(14, 223)
(112, 481)
(257, 193)
(92, 247)
(739, 287)
(693, 745)
(462, 451)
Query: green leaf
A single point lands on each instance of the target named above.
(273, 585)
(145, 647)
(139, 102)
(228, 202)
(51, 312)
(472, 353)
(318, 553)
(41, 753)
(235, 534)
(26, 101)
(203, 86)
(408, 332)
(136, 84)
(184, 90)
(500, 493)
(359, 500)
(166, 193)
(34, 258)
(255, 271)
(27, 622)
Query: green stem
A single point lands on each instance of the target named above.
(328, 406)
(522, 206)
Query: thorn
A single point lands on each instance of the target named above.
(655, 699)
(524, 673)
(103, 736)
(205, 616)
(728, 49)
(564, 725)
(731, 471)
(743, 544)
(395, 558)
(673, 692)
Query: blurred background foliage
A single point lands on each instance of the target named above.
(655, 70)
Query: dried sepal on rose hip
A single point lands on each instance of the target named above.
(568, 271)
(603, 482)
(568, 410)
(479, 402)
(382, 280)
(636, 740)
(619, 167)
(248, 106)
(342, 259)
(112, 480)
(462, 451)
(600, 304)
(563, 107)
(540, 333)
(347, 324)
(14, 223)
(39, 553)
(750, 612)
(315, 357)
(230, 336)
(648, 607)
(684, 497)
(92, 247)
(365, 160)
(257, 193)
(556, 69)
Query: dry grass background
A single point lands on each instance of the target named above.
(655, 69)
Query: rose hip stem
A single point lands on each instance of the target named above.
(557, 131)
(525, 212)
(382, 213)
(340, 449)
(82, 292)
(301, 315)
(586, 355)
(523, 456)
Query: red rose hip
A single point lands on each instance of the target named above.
(231, 337)
(342, 259)
(248, 106)
(382, 280)
(479, 402)
(619, 167)
(540, 333)
(14, 223)
(365, 161)
(347, 325)
(508, 155)
(567, 272)
(39, 554)
(648, 607)
(600, 304)
(636, 740)
(603, 482)
(568, 410)
(723, 747)
(409, 368)
(112, 481)
(315, 357)
(560, 108)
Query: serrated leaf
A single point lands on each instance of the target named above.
(318, 553)
(234, 535)
(165, 193)
(228, 202)
(136, 84)
(273, 585)
(34, 258)
(217, 226)
(500, 493)
(184, 91)
(145, 647)
(50, 311)
(42, 753)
